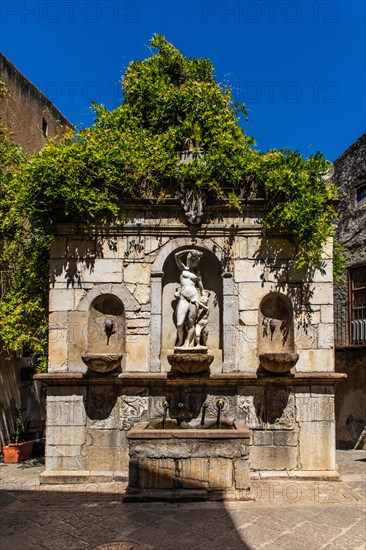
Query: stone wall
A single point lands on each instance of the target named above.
(291, 423)
(349, 172)
(128, 261)
(292, 428)
(25, 110)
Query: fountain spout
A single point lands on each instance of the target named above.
(165, 407)
(219, 404)
(109, 328)
(204, 409)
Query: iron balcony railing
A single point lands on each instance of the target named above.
(350, 324)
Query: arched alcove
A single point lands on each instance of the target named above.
(276, 342)
(106, 325)
(223, 303)
(210, 271)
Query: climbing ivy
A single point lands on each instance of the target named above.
(171, 104)
(23, 256)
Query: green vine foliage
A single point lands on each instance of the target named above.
(171, 104)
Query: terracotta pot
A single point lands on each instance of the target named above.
(15, 452)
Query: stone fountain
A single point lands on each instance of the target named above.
(182, 458)
(187, 353)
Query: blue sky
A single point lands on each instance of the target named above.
(298, 65)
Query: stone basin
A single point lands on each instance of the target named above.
(188, 463)
(190, 360)
(102, 362)
(278, 362)
(155, 430)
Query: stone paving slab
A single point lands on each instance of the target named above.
(288, 514)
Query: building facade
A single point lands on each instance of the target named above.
(26, 111)
(350, 295)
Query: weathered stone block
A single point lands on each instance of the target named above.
(270, 247)
(249, 317)
(79, 294)
(273, 458)
(59, 320)
(285, 438)
(137, 323)
(314, 408)
(317, 448)
(231, 313)
(63, 276)
(54, 451)
(111, 248)
(306, 337)
(193, 473)
(156, 474)
(57, 349)
(78, 336)
(246, 358)
(66, 413)
(220, 473)
(81, 248)
(325, 273)
(73, 463)
(326, 336)
(262, 437)
(327, 314)
(248, 337)
(101, 458)
(155, 343)
(322, 293)
(61, 300)
(259, 271)
(102, 438)
(241, 474)
(246, 271)
(137, 348)
(103, 271)
(137, 273)
(316, 360)
(64, 435)
(240, 248)
(53, 462)
(251, 294)
(142, 294)
(228, 285)
(65, 393)
(156, 295)
(152, 243)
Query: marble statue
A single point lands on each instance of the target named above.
(192, 309)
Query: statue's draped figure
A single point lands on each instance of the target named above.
(192, 309)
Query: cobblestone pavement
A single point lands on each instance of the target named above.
(301, 515)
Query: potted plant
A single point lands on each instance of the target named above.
(20, 449)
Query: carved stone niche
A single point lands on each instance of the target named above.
(105, 334)
(276, 342)
(210, 272)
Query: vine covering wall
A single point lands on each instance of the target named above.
(171, 104)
